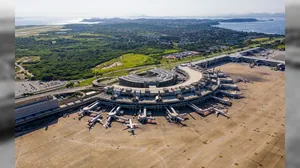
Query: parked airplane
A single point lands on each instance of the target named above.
(113, 115)
(131, 126)
(220, 112)
(82, 113)
(92, 121)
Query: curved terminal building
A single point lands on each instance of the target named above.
(158, 88)
(155, 77)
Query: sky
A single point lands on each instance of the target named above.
(125, 8)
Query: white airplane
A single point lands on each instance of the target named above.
(86, 112)
(223, 113)
(131, 126)
(110, 119)
(112, 115)
(108, 122)
(92, 121)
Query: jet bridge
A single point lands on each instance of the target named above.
(199, 110)
(222, 101)
(234, 94)
(91, 106)
(114, 111)
(173, 115)
(229, 86)
(226, 80)
(89, 109)
(142, 117)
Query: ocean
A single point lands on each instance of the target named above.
(277, 26)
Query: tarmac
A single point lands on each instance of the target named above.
(254, 136)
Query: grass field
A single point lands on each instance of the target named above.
(125, 61)
(171, 51)
(259, 39)
(121, 66)
(86, 82)
(129, 61)
(280, 46)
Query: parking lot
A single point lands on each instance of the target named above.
(22, 87)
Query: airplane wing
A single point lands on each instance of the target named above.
(122, 118)
(94, 112)
(126, 125)
(183, 114)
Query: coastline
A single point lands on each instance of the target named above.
(260, 25)
(275, 26)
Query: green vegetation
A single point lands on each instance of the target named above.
(124, 62)
(281, 46)
(86, 82)
(259, 39)
(117, 73)
(28, 59)
(274, 44)
(171, 51)
(70, 85)
(87, 50)
(17, 69)
(88, 35)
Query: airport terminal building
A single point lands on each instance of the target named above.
(35, 107)
(156, 89)
(156, 77)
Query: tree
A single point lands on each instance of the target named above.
(70, 85)
(47, 77)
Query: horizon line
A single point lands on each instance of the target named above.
(219, 15)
